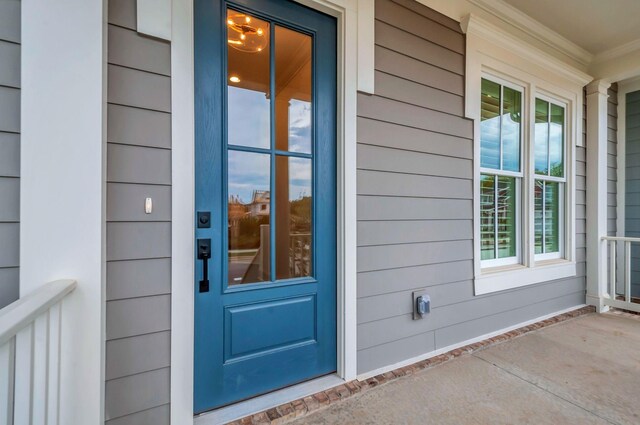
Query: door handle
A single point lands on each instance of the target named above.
(204, 253)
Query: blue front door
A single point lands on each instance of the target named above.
(265, 154)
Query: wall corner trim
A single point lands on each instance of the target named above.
(596, 199)
(154, 18)
(366, 46)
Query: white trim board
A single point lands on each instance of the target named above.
(182, 211)
(351, 78)
(443, 350)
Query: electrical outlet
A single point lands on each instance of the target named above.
(421, 304)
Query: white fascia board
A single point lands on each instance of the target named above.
(527, 24)
(618, 65)
(476, 26)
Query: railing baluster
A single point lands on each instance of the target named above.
(30, 352)
(23, 376)
(610, 284)
(40, 369)
(627, 271)
(53, 391)
(612, 269)
(7, 365)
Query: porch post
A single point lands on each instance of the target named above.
(596, 189)
(62, 186)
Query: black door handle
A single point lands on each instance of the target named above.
(204, 253)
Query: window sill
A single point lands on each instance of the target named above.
(509, 277)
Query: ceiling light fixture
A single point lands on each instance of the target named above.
(243, 36)
(234, 79)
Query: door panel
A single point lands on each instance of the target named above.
(265, 299)
(257, 328)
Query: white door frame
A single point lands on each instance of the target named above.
(355, 72)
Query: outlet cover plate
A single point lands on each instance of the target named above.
(415, 295)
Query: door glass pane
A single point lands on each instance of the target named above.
(490, 125)
(487, 217)
(248, 76)
(551, 217)
(249, 217)
(538, 215)
(293, 217)
(542, 137)
(556, 141)
(293, 90)
(511, 115)
(506, 217)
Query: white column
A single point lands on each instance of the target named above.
(62, 184)
(596, 192)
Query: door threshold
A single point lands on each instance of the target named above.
(258, 404)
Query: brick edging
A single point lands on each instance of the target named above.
(320, 400)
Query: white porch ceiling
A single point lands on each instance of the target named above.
(595, 25)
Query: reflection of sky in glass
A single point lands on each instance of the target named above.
(510, 143)
(248, 118)
(299, 178)
(490, 143)
(511, 130)
(247, 172)
(541, 147)
(555, 149)
(299, 126)
(556, 141)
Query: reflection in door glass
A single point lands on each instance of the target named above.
(249, 217)
(293, 217)
(293, 90)
(248, 103)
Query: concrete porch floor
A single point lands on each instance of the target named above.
(583, 371)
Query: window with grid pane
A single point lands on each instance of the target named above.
(501, 174)
(550, 179)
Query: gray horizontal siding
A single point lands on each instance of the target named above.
(10, 21)
(138, 289)
(156, 416)
(632, 183)
(415, 200)
(9, 150)
(135, 393)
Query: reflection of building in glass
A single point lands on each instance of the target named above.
(249, 234)
(259, 205)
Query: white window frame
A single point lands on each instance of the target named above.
(491, 51)
(560, 254)
(517, 259)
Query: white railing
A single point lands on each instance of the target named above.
(30, 356)
(619, 272)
